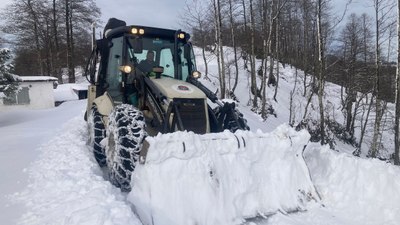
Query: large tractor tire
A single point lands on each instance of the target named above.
(97, 134)
(125, 135)
(230, 118)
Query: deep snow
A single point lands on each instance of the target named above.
(67, 187)
(49, 176)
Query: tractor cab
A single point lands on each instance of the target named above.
(129, 51)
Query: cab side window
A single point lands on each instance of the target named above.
(167, 62)
(114, 75)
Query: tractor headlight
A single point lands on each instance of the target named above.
(135, 30)
(125, 69)
(181, 35)
(196, 74)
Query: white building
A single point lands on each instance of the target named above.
(35, 92)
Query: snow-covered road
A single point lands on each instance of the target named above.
(66, 186)
(21, 134)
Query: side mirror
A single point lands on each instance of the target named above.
(188, 51)
(187, 48)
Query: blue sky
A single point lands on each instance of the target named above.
(161, 13)
(356, 6)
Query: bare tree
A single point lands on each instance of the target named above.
(39, 28)
(220, 49)
(366, 100)
(279, 4)
(352, 46)
(307, 25)
(380, 20)
(69, 32)
(253, 86)
(233, 37)
(196, 17)
(56, 51)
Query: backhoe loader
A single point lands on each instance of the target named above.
(130, 99)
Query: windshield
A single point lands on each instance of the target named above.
(160, 52)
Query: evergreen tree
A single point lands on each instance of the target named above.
(8, 83)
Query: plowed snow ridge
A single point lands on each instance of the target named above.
(67, 186)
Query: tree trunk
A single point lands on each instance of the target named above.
(57, 64)
(364, 126)
(220, 52)
(253, 59)
(264, 61)
(291, 108)
(305, 46)
(321, 72)
(233, 37)
(36, 34)
(277, 54)
(271, 78)
(374, 150)
(397, 116)
(203, 53)
(244, 16)
(70, 66)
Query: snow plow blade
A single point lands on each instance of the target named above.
(221, 178)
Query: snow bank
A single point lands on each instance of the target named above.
(67, 187)
(368, 189)
(221, 178)
(65, 92)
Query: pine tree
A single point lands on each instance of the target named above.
(8, 83)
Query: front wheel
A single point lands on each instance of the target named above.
(125, 136)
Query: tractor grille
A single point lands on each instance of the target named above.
(193, 114)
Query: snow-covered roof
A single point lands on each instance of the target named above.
(36, 78)
(80, 87)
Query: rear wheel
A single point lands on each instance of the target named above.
(97, 134)
(125, 137)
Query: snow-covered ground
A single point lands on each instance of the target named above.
(49, 176)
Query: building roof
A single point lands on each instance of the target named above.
(36, 78)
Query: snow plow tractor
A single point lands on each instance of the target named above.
(143, 82)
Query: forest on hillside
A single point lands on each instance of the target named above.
(49, 37)
(357, 51)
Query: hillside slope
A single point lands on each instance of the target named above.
(290, 104)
